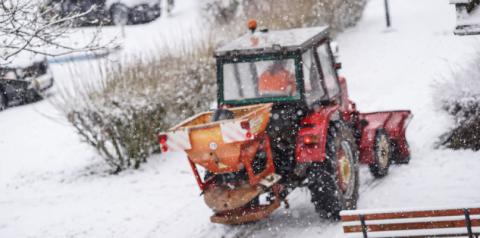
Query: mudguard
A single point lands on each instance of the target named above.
(394, 123)
(315, 124)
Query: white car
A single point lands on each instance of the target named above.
(24, 79)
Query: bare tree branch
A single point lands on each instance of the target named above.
(29, 26)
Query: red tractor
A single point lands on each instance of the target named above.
(284, 120)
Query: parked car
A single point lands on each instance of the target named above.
(96, 12)
(23, 80)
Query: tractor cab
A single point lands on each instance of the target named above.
(294, 66)
(294, 69)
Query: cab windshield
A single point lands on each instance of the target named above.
(266, 79)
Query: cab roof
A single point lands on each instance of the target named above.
(272, 41)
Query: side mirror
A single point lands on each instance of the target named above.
(338, 65)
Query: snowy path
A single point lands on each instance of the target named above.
(51, 185)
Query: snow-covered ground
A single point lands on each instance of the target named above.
(52, 185)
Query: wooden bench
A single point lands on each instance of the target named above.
(412, 223)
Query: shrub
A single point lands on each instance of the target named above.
(460, 97)
(120, 115)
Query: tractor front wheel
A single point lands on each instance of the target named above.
(382, 154)
(334, 183)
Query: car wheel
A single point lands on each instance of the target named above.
(3, 101)
(334, 183)
(32, 96)
(120, 15)
(382, 154)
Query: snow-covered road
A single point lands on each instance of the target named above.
(52, 185)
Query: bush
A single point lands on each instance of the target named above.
(120, 115)
(460, 97)
(284, 14)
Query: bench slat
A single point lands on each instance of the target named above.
(447, 232)
(412, 226)
(411, 214)
(410, 220)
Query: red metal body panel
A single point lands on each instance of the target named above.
(346, 107)
(393, 122)
(314, 124)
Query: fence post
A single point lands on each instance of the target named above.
(387, 13)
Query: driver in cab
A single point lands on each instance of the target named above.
(277, 81)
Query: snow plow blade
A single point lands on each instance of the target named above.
(394, 123)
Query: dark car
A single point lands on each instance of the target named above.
(23, 80)
(96, 12)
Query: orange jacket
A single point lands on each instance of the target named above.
(281, 83)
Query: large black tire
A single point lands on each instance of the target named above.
(334, 183)
(120, 15)
(382, 154)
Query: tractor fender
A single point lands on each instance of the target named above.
(394, 123)
(315, 126)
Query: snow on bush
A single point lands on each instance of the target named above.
(460, 97)
(121, 115)
(284, 14)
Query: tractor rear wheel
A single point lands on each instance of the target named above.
(382, 154)
(334, 183)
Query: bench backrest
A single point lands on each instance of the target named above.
(412, 223)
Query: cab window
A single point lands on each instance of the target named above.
(329, 75)
(262, 79)
(314, 91)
